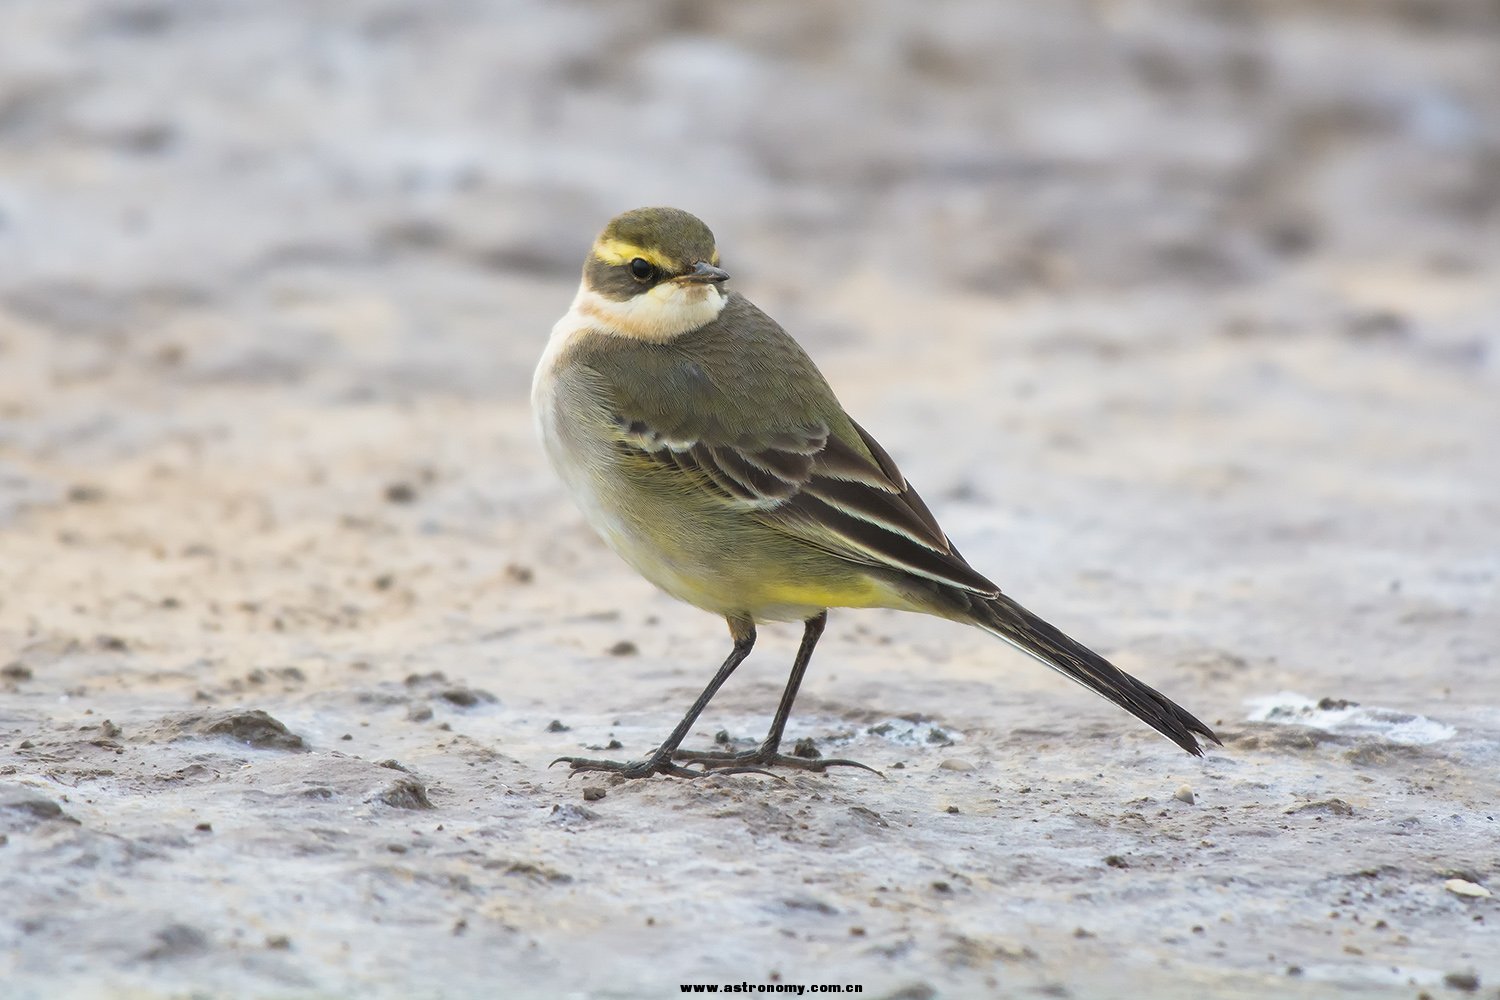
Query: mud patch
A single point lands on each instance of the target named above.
(22, 808)
(249, 727)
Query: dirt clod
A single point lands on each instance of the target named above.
(253, 727)
(1464, 982)
(176, 941)
(20, 807)
(405, 793)
(86, 493)
(1332, 807)
(466, 697)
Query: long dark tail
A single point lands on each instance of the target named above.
(1030, 634)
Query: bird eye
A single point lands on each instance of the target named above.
(641, 270)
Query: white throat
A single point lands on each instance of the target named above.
(669, 310)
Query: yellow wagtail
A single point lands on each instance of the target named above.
(707, 449)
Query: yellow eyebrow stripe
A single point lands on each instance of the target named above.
(622, 252)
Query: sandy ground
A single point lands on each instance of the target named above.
(1183, 318)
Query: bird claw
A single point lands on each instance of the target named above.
(710, 761)
(628, 768)
(751, 761)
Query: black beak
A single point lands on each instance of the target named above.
(705, 273)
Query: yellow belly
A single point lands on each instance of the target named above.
(771, 597)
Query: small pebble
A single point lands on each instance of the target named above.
(952, 809)
(557, 726)
(1463, 887)
(1184, 793)
(593, 793)
(465, 697)
(956, 764)
(1466, 982)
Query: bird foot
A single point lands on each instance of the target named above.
(629, 768)
(728, 762)
(646, 768)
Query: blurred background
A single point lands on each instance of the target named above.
(160, 159)
(1184, 316)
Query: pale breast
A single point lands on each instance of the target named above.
(571, 421)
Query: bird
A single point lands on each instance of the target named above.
(704, 446)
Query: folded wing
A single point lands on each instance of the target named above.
(846, 498)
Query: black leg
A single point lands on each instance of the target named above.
(812, 631)
(742, 630)
(766, 753)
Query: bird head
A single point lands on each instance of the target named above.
(653, 273)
